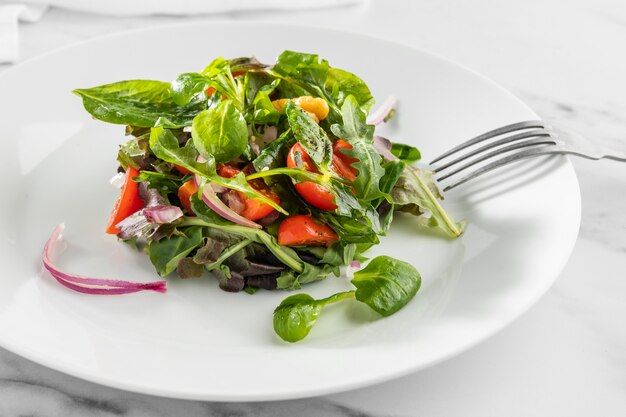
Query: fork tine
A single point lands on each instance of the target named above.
(492, 133)
(518, 145)
(513, 138)
(527, 153)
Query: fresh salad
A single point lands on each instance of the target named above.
(268, 177)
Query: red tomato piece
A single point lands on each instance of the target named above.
(255, 208)
(185, 192)
(305, 230)
(128, 202)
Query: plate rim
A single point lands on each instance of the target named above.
(69, 369)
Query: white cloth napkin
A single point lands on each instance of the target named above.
(33, 10)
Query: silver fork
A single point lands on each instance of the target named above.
(512, 143)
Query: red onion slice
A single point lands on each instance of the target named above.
(213, 201)
(88, 285)
(378, 116)
(352, 268)
(162, 214)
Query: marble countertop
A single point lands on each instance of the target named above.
(567, 355)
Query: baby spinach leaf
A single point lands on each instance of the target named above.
(220, 132)
(340, 84)
(137, 102)
(360, 135)
(166, 253)
(386, 284)
(311, 136)
(296, 315)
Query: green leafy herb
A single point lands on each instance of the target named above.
(416, 192)
(386, 284)
(138, 103)
(311, 136)
(296, 315)
(166, 253)
(360, 135)
(220, 132)
(188, 87)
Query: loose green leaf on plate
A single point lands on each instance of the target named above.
(386, 284)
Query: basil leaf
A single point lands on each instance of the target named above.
(188, 86)
(416, 192)
(311, 136)
(304, 74)
(360, 135)
(220, 132)
(137, 102)
(386, 284)
(166, 253)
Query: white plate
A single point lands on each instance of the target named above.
(198, 342)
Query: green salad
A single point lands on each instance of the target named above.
(267, 177)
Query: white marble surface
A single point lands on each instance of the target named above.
(567, 355)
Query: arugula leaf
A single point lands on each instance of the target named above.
(165, 146)
(386, 284)
(221, 78)
(274, 154)
(258, 87)
(311, 136)
(164, 183)
(208, 218)
(166, 253)
(360, 135)
(220, 132)
(416, 193)
(137, 102)
(296, 315)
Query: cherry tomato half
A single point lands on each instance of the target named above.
(255, 209)
(302, 229)
(313, 193)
